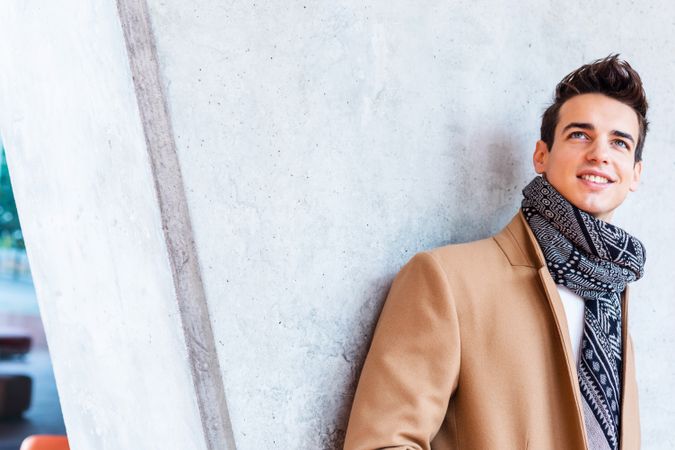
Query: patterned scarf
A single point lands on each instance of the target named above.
(596, 260)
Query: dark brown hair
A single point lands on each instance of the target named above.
(610, 76)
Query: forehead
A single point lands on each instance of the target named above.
(604, 112)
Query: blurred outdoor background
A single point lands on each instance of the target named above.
(20, 321)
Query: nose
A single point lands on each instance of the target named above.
(599, 152)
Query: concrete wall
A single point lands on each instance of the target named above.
(320, 145)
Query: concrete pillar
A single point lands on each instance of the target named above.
(216, 195)
(102, 204)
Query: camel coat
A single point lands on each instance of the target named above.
(472, 351)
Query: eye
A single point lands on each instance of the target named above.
(578, 135)
(622, 144)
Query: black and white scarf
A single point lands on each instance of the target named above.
(596, 260)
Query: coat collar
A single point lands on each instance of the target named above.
(520, 246)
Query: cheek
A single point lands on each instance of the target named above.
(564, 170)
(628, 171)
(563, 162)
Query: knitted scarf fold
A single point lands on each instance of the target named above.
(596, 260)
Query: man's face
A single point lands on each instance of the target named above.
(592, 160)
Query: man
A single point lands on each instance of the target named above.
(520, 340)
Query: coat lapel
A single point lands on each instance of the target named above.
(630, 422)
(521, 248)
(562, 328)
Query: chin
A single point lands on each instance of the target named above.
(594, 210)
(602, 214)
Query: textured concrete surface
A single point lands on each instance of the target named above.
(182, 253)
(321, 145)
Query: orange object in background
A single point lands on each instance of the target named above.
(45, 442)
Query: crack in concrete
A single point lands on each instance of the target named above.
(176, 225)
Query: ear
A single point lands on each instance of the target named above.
(540, 157)
(637, 171)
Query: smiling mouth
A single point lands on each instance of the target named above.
(595, 179)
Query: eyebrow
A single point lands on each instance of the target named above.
(589, 126)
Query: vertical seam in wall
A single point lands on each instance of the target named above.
(176, 225)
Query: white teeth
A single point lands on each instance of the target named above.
(595, 179)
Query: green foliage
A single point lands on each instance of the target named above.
(10, 229)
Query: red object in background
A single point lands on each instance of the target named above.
(14, 342)
(45, 442)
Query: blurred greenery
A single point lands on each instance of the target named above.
(10, 230)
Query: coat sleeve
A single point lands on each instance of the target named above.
(412, 367)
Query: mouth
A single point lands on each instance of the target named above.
(596, 179)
